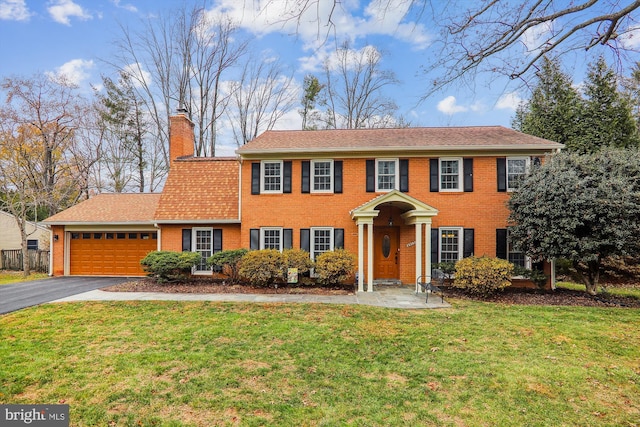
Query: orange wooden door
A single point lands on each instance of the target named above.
(386, 244)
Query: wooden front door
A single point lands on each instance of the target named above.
(386, 257)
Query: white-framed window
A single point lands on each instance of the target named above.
(271, 176)
(321, 240)
(517, 168)
(515, 256)
(271, 238)
(322, 176)
(450, 174)
(202, 243)
(387, 172)
(450, 244)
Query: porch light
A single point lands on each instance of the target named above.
(390, 221)
(55, 237)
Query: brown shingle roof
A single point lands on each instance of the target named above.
(200, 189)
(421, 138)
(120, 208)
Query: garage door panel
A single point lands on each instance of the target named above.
(110, 253)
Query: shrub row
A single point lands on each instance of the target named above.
(258, 268)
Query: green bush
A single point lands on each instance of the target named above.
(228, 262)
(482, 276)
(297, 258)
(263, 267)
(334, 267)
(169, 266)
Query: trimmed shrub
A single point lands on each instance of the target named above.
(334, 267)
(297, 258)
(263, 267)
(482, 276)
(228, 262)
(169, 266)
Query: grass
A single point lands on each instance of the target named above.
(624, 291)
(201, 364)
(8, 277)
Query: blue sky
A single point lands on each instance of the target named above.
(75, 36)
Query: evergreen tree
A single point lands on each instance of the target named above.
(607, 118)
(311, 88)
(554, 110)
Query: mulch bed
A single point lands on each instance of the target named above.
(518, 296)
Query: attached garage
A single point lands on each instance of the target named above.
(98, 253)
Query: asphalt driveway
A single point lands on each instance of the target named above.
(25, 294)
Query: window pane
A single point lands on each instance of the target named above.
(516, 169)
(514, 256)
(271, 239)
(203, 246)
(97, 236)
(322, 176)
(386, 174)
(121, 236)
(449, 174)
(449, 245)
(86, 235)
(32, 244)
(271, 176)
(321, 241)
(108, 236)
(133, 236)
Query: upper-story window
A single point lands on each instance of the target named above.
(271, 177)
(322, 171)
(450, 174)
(386, 174)
(517, 168)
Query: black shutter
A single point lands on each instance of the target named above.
(306, 176)
(217, 240)
(468, 174)
(435, 241)
(434, 176)
(501, 243)
(287, 238)
(502, 174)
(254, 239)
(337, 176)
(338, 238)
(186, 240)
(371, 176)
(467, 248)
(305, 239)
(404, 175)
(286, 177)
(255, 178)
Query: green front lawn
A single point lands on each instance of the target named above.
(203, 364)
(7, 277)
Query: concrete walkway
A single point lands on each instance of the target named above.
(389, 297)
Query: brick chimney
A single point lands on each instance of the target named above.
(180, 135)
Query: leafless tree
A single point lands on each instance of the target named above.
(261, 97)
(354, 83)
(497, 36)
(179, 60)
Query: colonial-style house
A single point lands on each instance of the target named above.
(399, 199)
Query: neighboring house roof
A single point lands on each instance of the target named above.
(399, 139)
(201, 190)
(31, 223)
(110, 208)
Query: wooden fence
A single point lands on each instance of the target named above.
(11, 259)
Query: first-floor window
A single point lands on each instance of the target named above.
(321, 241)
(271, 238)
(516, 256)
(450, 244)
(203, 244)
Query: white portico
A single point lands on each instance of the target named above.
(383, 238)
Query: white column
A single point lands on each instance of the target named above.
(370, 257)
(360, 257)
(427, 249)
(418, 247)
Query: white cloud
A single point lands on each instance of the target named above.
(14, 10)
(630, 39)
(62, 10)
(509, 101)
(535, 37)
(139, 75)
(75, 71)
(449, 106)
(129, 7)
